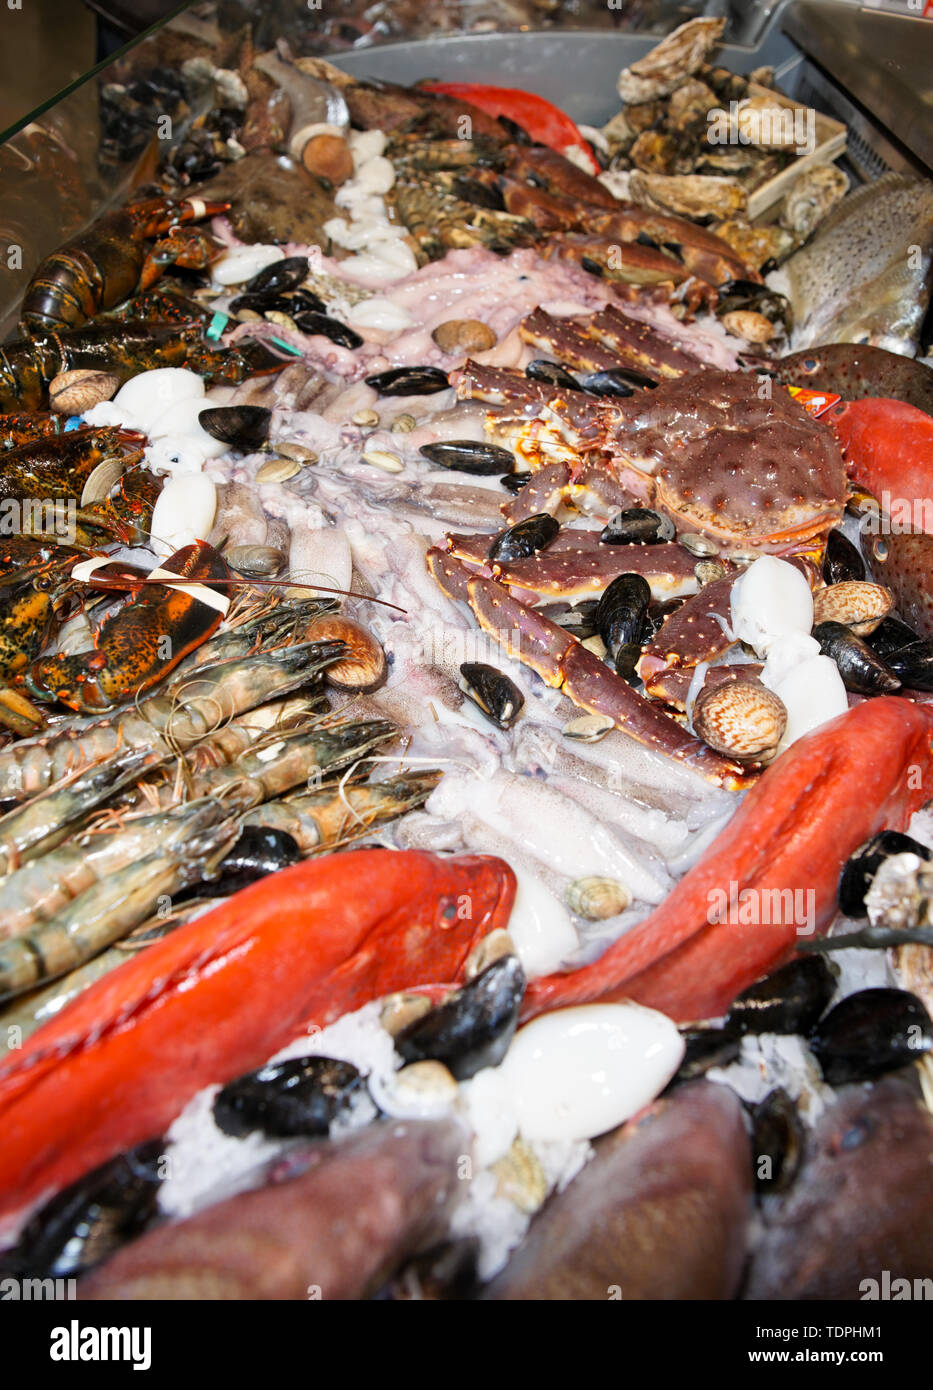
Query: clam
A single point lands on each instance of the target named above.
(282, 1100)
(299, 453)
(588, 728)
(869, 1033)
(364, 668)
(409, 381)
(399, 1011)
(520, 1178)
(101, 479)
(418, 1091)
(698, 545)
(365, 418)
(277, 471)
(473, 1027)
(597, 898)
(490, 948)
(404, 424)
(384, 459)
(469, 456)
(523, 539)
(708, 571)
(243, 427)
(458, 336)
(74, 392)
(742, 719)
(256, 561)
(855, 602)
(496, 695)
(861, 669)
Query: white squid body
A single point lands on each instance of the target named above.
(183, 513)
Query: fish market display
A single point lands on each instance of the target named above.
(466, 644)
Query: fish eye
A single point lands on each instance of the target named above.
(880, 549)
(809, 364)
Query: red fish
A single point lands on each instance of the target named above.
(888, 448)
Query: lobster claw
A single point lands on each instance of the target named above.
(191, 248)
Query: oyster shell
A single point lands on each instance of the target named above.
(676, 57)
(689, 195)
(813, 195)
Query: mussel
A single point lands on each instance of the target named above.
(841, 560)
(620, 619)
(243, 427)
(469, 456)
(258, 851)
(705, 1048)
(278, 277)
(904, 652)
(579, 619)
(617, 381)
(311, 323)
(789, 1000)
(92, 1218)
(473, 1028)
(870, 1033)
(860, 870)
(553, 373)
(862, 671)
(777, 1141)
(285, 1100)
(409, 381)
(637, 526)
(496, 695)
(524, 538)
(892, 635)
(514, 482)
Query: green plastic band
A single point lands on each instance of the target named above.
(217, 325)
(286, 347)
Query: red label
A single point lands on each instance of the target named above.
(814, 402)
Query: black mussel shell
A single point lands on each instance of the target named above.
(243, 427)
(747, 294)
(278, 277)
(524, 538)
(790, 1000)
(553, 373)
(305, 299)
(890, 636)
(705, 1048)
(91, 1219)
(409, 381)
(578, 619)
(842, 560)
(870, 1033)
(285, 1100)
(658, 614)
(514, 482)
(913, 665)
(311, 323)
(862, 671)
(473, 1028)
(858, 874)
(617, 381)
(621, 613)
(445, 1272)
(469, 456)
(259, 851)
(498, 697)
(608, 383)
(777, 1142)
(637, 526)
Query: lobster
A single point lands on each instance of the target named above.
(28, 365)
(142, 641)
(106, 263)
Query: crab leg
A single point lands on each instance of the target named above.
(772, 874)
(221, 994)
(561, 661)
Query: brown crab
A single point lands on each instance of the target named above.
(742, 468)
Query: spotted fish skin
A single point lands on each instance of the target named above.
(857, 370)
(865, 276)
(904, 562)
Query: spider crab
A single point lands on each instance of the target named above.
(733, 461)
